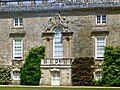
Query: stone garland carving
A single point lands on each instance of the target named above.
(57, 21)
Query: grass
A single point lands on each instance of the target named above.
(56, 88)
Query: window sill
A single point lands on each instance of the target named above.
(21, 59)
(17, 58)
(16, 79)
(99, 59)
(101, 25)
(17, 27)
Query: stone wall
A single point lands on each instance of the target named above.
(82, 26)
(83, 43)
(65, 76)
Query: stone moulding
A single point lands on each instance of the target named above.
(56, 7)
(98, 33)
(17, 34)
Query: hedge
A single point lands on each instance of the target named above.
(82, 71)
(5, 75)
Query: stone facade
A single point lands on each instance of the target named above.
(79, 28)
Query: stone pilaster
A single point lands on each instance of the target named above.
(67, 44)
(48, 40)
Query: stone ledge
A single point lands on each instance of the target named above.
(17, 34)
(98, 33)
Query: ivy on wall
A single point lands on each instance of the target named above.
(82, 71)
(30, 73)
(5, 75)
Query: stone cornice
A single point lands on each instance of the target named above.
(96, 33)
(51, 9)
(67, 33)
(17, 34)
(47, 34)
(62, 12)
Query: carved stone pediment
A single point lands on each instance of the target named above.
(57, 20)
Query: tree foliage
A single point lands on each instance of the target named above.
(82, 71)
(30, 73)
(5, 75)
(111, 67)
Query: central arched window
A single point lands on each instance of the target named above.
(58, 43)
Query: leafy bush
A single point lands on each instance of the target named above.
(82, 71)
(30, 73)
(5, 75)
(111, 67)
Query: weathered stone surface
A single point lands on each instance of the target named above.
(65, 77)
(81, 22)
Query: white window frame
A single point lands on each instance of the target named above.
(96, 75)
(58, 46)
(50, 1)
(12, 3)
(13, 76)
(96, 51)
(38, 2)
(26, 2)
(14, 57)
(19, 23)
(101, 20)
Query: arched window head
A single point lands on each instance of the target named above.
(58, 43)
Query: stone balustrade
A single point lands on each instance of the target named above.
(54, 62)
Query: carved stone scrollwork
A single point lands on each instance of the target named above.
(64, 23)
(48, 39)
(57, 21)
(67, 38)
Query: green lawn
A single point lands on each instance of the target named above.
(54, 88)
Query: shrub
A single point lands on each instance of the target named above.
(82, 71)
(30, 73)
(5, 75)
(111, 67)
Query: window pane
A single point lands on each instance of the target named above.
(98, 19)
(98, 75)
(100, 47)
(16, 21)
(103, 18)
(26, 2)
(16, 74)
(20, 21)
(38, 2)
(12, 3)
(17, 48)
(50, 1)
(58, 43)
